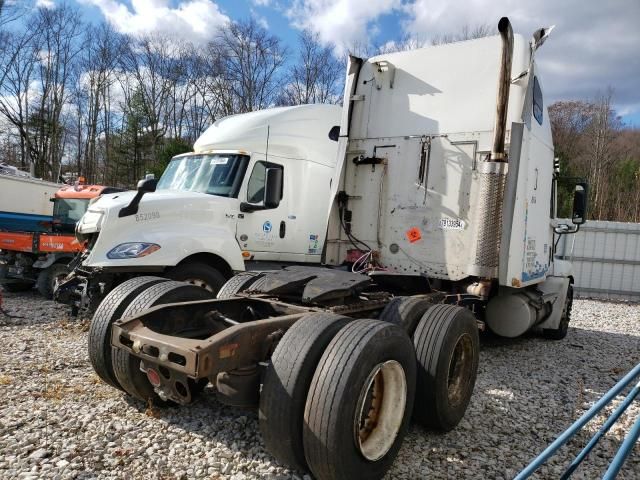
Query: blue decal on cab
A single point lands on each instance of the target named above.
(266, 227)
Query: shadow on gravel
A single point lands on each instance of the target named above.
(234, 429)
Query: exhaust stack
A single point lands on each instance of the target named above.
(493, 172)
(504, 83)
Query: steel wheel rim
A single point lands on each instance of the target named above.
(380, 410)
(460, 366)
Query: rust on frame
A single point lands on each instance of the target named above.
(228, 350)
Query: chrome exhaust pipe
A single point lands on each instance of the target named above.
(504, 83)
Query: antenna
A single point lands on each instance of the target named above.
(266, 153)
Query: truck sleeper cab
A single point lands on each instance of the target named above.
(251, 195)
(430, 221)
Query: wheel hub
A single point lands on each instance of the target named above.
(460, 369)
(380, 410)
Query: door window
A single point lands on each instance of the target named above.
(256, 184)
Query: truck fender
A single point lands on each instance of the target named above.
(555, 286)
(217, 241)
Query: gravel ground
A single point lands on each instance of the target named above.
(58, 420)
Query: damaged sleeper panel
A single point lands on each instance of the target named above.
(417, 215)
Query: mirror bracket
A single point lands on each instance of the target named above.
(146, 185)
(246, 207)
(564, 229)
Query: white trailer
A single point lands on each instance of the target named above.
(208, 218)
(25, 202)
(444, 228)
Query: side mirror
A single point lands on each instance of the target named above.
(273, 188)
(272, 192)
(147, 185)
(579, 215)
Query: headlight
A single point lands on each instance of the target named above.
(132, 250)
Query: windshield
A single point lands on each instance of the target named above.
(214, 174)
(67, 211)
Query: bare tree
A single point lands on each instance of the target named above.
(16, 97)
(102, 48)
(593, 143)
(58, 30)
(315, 76)
(151, 63)
(601, 134)
(10, 11)
(183, 94)
(249, 60)
(467, 32)
(408, 42)
(205, 105)
(412, 42)
(569, 120)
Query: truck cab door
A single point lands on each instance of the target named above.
(262, 228)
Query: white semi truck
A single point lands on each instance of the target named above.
(443, 203)
(208, 217)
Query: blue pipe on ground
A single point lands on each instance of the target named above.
(582, 421)
(603, 430)
(624, 450)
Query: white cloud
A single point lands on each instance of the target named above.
(261, 3)
(45, 4)
(341, 23)
(594, 45)
(260, 20)
(193, 20)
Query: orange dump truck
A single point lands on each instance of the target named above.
(40, 258)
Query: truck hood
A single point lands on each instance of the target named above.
(178, 223)
(157, 206)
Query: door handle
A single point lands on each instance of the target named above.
(283, 229)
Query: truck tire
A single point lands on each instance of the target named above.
(126, 366)
(110, 310)
(199, 274)
(365, 379)
(405, 312)
(237, 284)
(447, 348)
(47, 278)
(286, 384)
(561, 332)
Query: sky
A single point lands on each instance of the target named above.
(595, 45)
